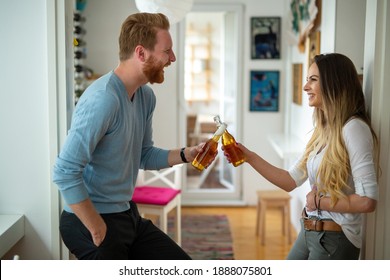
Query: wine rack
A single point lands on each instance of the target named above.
(80, 53)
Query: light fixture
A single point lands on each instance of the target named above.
(175, 10)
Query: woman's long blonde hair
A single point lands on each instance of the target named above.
(342, 99)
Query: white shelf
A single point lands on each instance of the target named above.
(287, 146)
(11, 231)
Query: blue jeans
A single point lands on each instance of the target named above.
(128, 237)
(322, 245)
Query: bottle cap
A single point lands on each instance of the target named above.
(219, 123)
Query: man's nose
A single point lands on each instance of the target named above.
(172, 57)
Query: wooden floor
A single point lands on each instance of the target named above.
(246, 244)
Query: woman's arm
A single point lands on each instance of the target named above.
(353, 203)
(273, 174)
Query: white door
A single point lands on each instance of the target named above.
(211, 84)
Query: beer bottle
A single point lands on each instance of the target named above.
(229, 143)
(204, 158)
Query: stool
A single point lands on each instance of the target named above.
(267, 199)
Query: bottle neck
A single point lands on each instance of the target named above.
(216, 137)
(227, 138)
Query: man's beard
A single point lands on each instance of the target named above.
(153, 70)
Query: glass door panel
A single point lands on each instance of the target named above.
(211, 66)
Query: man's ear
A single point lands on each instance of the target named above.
(140, 52)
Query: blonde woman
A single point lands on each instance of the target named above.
(340, 161)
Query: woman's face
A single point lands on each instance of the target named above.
(312, 87)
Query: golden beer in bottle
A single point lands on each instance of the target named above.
(235, 154)
(210, 148)
(229, 143)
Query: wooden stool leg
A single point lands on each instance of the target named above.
(262, 222)
(164, 223)
(257, 217)
(284, 219)
(178, 225)
(288, 215)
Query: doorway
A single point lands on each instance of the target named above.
(211, 50)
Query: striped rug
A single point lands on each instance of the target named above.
(207, 237)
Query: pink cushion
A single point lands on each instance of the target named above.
(154, 195)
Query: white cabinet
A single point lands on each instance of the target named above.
(11, 231)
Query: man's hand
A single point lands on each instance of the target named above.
(91, 219)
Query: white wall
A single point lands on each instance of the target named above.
(256, 126)
(25, 184)
(102, 25)
(375, 85)
(350, 30)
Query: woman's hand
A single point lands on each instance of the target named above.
(312, 200)
(246, 152)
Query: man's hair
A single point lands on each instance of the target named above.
(140, 29)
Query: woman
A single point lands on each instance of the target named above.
(340, 161)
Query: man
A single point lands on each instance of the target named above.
(110, 139)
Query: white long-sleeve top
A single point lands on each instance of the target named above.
(362, 181)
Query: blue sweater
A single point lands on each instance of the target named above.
(110, 139)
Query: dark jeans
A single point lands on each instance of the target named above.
(129, 237)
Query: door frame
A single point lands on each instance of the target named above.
(217, 196)
(60, 65)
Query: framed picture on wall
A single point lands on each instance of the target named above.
(314, 45)
(265, 37)
(304, 17)
(297, 83)
(264, 91)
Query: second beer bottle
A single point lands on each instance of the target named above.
(229, 144)
(210, 148)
